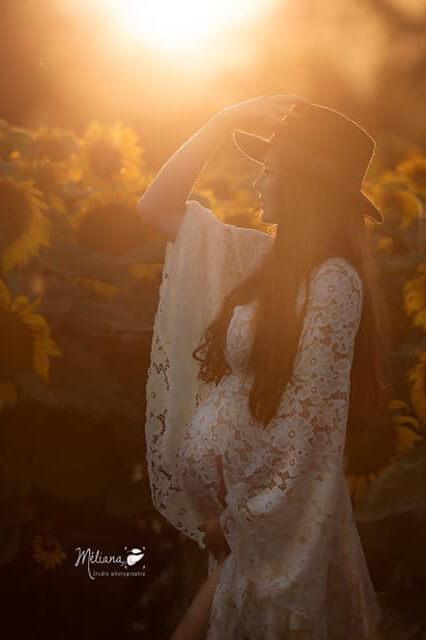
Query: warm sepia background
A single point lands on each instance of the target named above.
(94, 97)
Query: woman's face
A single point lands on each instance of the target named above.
(267, 185)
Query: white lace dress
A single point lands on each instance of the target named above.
(296, 567)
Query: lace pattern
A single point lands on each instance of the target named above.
(207, 259)
(296, 565)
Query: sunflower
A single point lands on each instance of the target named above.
(417, 376)
(47, 551)
(47, 176)
(96, 287)
(372, 449)
(48, 163)
(413, 170)
(52, 165)
(386, 244)
(400, 206)
(108, 222)
(13, 138)
(146, 271)
(26, 341)
(108, 154)
(54, 144)
(415, 299)
(24, 228)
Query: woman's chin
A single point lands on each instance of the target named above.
(266, 218)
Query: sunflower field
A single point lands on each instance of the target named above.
(79, 280)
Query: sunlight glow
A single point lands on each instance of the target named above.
(183, 25)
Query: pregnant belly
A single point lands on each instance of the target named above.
(209, 436)
(201, 456)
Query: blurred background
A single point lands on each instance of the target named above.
(164, 67)
(94, 97)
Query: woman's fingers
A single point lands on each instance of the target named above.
(285, 105)
(275, 110)
(267, 123)
(289, 99)
(261, 113)
(283, 112)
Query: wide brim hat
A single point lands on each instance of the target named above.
(324, 141)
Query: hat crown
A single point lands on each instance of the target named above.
(324, 141)
(330, 137)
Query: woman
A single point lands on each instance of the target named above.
(249, 447)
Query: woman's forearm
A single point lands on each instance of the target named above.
(171, 187)
(195, 622)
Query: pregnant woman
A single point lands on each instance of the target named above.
(267, 348)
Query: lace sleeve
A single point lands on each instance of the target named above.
(233, 249)
(206, 260)
(280, 517)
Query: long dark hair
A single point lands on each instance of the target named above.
(317, 221)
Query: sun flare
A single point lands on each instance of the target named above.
(182, 25)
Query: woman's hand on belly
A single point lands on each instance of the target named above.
(214, 538)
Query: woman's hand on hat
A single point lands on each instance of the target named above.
(259, 115)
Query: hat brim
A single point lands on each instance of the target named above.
(368, 208)
(255, 148)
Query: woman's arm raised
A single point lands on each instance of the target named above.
(163, 204)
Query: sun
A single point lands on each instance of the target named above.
(183, 25)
